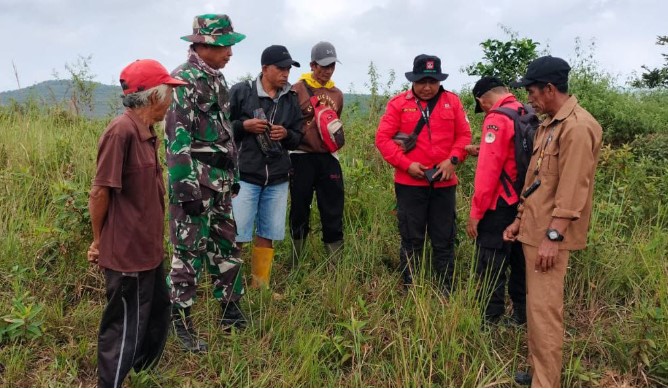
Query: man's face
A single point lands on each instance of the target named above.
(215, 56)
(426, 88)
(538, 97)
(323, 74)
(485, 102)
(276, 76)
(159, 108)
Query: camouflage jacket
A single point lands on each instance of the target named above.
(198, 122)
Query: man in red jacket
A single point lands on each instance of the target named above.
(494, 205)
(422, 135)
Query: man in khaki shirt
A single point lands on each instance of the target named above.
(553, 217)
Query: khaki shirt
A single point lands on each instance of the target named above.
(566, 175)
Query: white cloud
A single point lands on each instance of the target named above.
(388, 32)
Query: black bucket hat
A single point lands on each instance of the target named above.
(426, 66)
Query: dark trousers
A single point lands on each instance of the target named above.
(494, 257)
(319, 172)
(134, 324)
(423, 211)
(491, 268)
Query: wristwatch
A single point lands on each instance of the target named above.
(454, 160)
(554, 235)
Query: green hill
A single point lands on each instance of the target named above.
(106, 98)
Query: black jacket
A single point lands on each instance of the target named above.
(254, 166)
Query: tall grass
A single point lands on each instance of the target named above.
(327, 323)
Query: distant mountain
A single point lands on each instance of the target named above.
(106, 98)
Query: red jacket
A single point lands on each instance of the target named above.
(447, 135)
(497, 153)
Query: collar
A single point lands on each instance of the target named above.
(313, 83)
(506, 98)
(145, 132)
(195, 59)
(565, 111)
(262, 93)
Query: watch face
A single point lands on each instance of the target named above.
(553, 235)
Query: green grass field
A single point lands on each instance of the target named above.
(345, 325)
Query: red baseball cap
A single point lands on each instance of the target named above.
(145, 74)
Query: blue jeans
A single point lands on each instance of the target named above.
(262, 207)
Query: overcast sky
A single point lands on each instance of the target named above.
(40, 36)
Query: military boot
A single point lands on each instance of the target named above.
(232, 316)
(185, 331)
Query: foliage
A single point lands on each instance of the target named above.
(24, 322)
(506, 60)
(656, 77)
(82, 81)
(348, 324)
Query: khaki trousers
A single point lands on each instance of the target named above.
(545, 318)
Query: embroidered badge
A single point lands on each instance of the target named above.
(490, 137)
(447, 105)
(430, 65)
(408, 109)
(492, 127)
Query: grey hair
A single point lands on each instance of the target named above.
(140, 99)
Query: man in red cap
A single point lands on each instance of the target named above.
(127, 211)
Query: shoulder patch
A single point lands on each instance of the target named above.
(492, 127)
(490, 137)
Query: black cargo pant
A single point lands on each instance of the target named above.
(423, 211)
(134, 324)
(494, 257)
(319, 172)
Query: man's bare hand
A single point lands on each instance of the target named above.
(93, 253)
(472, 150)
(416, 170)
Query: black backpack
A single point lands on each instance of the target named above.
(526, 123)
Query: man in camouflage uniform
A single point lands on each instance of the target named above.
(201, 159)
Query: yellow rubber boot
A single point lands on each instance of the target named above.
(261, 266)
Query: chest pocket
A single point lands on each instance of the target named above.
(208, 121)
(551, 162)
(409, 120)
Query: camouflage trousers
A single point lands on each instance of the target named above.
(205, 239)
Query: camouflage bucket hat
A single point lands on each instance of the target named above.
(214, 30)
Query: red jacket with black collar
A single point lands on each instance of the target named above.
(445, 137)
(497, 155)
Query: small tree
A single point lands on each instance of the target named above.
(506, 60)
(657, 77)
(83, 85)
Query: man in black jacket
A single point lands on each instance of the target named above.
(266, 118)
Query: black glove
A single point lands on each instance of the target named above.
(193, 207)
(235, 188)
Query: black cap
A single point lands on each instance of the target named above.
(483, 86)
(545, 69)
(277, 55)
(426, 66)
